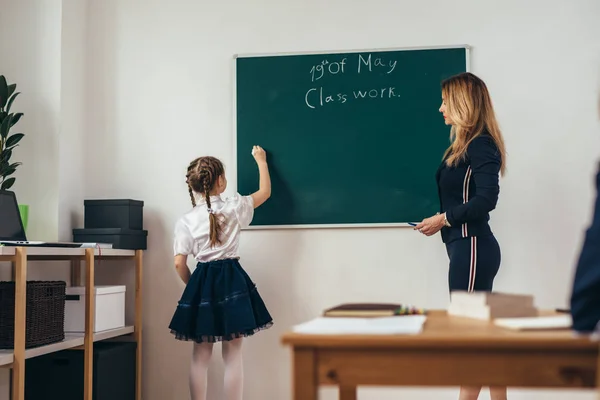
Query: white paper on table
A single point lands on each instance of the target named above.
(536, 323)
(400, 325)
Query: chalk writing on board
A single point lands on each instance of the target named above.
(360, 64)
(364, 63)
(319, 96)
(383, 93)
(368, 64)
(333, 68)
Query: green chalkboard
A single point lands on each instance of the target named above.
(352, 138)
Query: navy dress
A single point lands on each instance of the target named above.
(220, 301)
(467, 193)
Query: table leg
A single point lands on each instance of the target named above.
(18, 375)
(598, 377)
(305, 375)
(90, 312)
(348, 393)
(138, 323)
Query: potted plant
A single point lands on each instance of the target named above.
(9, 141)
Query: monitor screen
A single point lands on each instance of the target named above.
(10, 218)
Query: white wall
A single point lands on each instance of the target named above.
(73, 116)
(156, 77)
(43, 52)
(30, 34)
(42, 43)
(160, 94)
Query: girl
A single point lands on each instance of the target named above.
(468, 190)
(220, 302)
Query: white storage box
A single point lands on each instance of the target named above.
(110, 308)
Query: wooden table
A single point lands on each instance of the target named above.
(451, 351)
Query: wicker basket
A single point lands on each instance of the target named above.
(45, 309)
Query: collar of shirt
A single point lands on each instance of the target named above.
(201, 200)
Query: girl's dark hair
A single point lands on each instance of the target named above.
(202, 175)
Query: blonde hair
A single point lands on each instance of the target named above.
(469, 106)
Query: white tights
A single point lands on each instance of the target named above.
(234, 371)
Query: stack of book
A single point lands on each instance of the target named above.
(489, 306)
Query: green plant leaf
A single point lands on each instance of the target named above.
(14, 139)
(11, 89)
(9, 172)
(16, 117)
(3, 91)
(5, 155)
(5, 127)
(11, 169)
(10, 101)
(7, 184)
(4, 168)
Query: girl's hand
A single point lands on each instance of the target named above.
(431, 226)
(264, 182)
(259, 154)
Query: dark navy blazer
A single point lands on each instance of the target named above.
(469, 190)
(585, 296)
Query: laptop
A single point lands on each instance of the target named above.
(12, 232)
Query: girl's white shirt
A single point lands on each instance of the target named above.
(192, 230)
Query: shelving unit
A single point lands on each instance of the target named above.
(15, 359)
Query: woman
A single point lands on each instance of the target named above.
(468, 190)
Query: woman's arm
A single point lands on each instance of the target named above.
(485, 170)
(264, 184)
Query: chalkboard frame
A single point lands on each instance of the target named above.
(467, 49)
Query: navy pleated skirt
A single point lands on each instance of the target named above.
(220, 302)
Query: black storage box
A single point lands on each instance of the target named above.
(115, 213)
(120, 238)
(60, 375)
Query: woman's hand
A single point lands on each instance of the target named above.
(431, 226)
